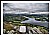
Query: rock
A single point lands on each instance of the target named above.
(10, 22)
(37, 30)
(8, 27)
(4, 30)
(30, 28)
(11, 25)
(15, 27)
(8, 31)
(34, 32)
(15, 33)
(30, 32)
(44, 31)
(11, 32)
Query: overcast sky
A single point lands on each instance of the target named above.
(26, 6)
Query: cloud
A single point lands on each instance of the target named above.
(28, 6)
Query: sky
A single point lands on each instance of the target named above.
(15, 8)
